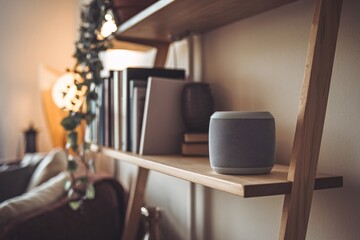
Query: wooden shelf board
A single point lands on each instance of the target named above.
(168, 20)
(198, 170)
(123, 45)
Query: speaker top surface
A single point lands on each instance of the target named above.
(241, 115)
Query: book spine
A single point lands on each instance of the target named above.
(137, 116)
(196, 137)
(195, 149)
(117, 110)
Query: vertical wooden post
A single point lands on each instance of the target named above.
(135, 202)
(310, 122)
(161, 54)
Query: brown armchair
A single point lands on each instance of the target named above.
(100, 218)
(39, 208)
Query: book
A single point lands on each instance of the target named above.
(106, 113)
(129, 74)
(100, 115)
(163, 126)
(195, 149)
(193, 137)
(116, 109)
(137, 109)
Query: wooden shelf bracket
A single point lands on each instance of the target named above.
(310, 122)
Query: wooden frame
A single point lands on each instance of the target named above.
(310, 123)
(299, 180)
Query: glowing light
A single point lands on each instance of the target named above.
(65, 94)
(109, 26)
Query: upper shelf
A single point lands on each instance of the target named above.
(168, 20)
(198, 170)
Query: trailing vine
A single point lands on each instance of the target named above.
(87, 78)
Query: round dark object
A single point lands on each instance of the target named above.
(197, 106)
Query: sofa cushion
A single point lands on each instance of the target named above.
(40, 196)
(53, 163)
(32, 159)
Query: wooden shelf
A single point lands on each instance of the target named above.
(198, 170)
(168, 20)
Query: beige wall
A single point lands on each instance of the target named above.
(258, 64)
(263, 59)
(33, 32)
(255, 64)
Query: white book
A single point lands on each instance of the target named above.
(163, 126)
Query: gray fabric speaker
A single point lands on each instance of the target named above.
(242, 142)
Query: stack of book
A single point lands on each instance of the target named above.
(195, 144)
(121, 107)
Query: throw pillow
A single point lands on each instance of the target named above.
(53, 163)
(32, 159)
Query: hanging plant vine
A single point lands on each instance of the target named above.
(87, 78)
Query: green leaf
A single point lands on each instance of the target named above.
(67, 185)
(75, 205)
(89, 117)
(87, 145)
(83, 179)
(92, 95)
(69, 123)
(77, 117)
(72, 138)
(72, 166)
(90, 192)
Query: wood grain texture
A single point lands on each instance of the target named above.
(198, 170)
(136, 200)
(144, 45)
(308, 134)
(116, 44)
(168, 20)
(161, 54)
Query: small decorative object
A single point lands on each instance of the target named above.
(197, 106)
(30, 139)
(151, 216)
(242, 142)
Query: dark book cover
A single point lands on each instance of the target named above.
(107, 112)
(100, 115)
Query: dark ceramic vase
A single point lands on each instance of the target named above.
(30, 139)
(197, 106)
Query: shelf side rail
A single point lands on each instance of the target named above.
(311, 116)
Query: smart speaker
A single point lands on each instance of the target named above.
(242, 142)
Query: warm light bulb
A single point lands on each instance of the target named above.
(109, 26)
(108, 17)
(66, 95)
